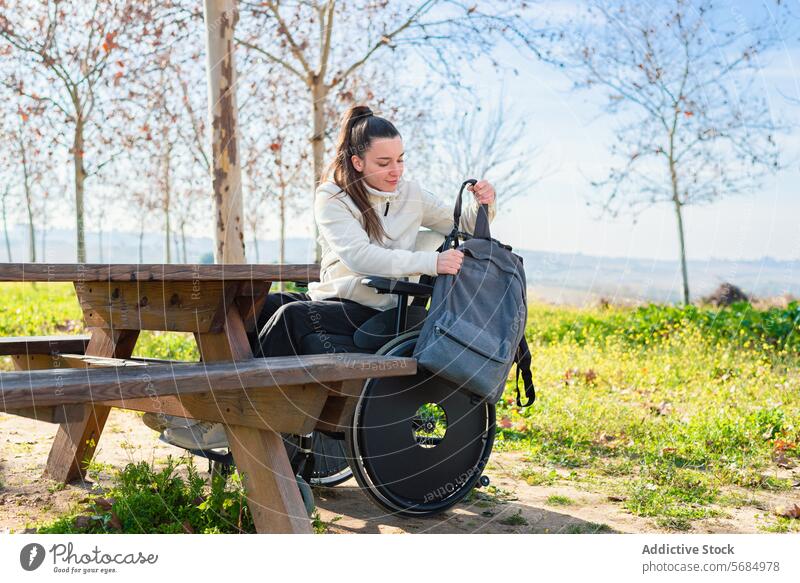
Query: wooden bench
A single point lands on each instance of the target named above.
(37, 352)
(256, 399)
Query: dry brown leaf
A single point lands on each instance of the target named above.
(104, 503)
(792, 511)
(114, 521)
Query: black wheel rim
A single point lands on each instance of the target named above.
(409, 474)
(330, 461)
(330, 458)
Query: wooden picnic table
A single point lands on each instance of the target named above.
(219, 304)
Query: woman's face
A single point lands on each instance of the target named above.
(382, 164)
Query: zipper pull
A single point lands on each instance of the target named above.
(386, 212)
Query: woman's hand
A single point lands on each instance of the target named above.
(483, 191)
(449, 262)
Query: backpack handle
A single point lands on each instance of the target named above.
(481, 224)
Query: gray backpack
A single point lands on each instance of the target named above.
(475, 327)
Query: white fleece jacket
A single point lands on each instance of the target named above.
(348, 254)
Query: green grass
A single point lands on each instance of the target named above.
(538, 478)
(673, 406)
(559, 500)
(144, 499)
(588, 528)
(52, 309)
(514, 519)
(783, 524)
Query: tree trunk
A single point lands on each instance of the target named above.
(5, 227)
(319, 93)
(679, 214)
(221, 17)
(255, 242)
(31, 229)
(183, 240)
(100, 237)
(80, 178)
(43, 243)
(167, 200)
(282, 237)
(28, 202)
(141, 237)
(167, 232)
(684, 270)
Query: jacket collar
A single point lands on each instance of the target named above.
(383, 194)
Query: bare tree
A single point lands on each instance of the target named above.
(300, 37)
(70, 52)
(28, 162)
(681, 76)
(158, 151)
(44, 207)
(190, 148)
(275, 126)
(492, 144)
(3, 199)
(275, 149)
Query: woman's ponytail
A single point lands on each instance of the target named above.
(358, 127)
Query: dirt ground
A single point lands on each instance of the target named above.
(511, 506)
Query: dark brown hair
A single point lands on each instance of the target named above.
(359, 127)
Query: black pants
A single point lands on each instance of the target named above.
(289, 317)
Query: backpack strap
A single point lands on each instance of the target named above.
(523, 360)
(482, 230)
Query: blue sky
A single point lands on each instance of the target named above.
(573, 134)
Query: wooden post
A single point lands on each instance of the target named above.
(76, 439)
(221, 17)
(272, 494)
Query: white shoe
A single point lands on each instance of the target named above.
(161, 421)
(201, 435)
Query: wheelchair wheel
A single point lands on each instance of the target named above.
(330, 466)
(418, 444)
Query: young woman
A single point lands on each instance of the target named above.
(368, 218)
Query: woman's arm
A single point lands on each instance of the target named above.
(438, 216)
(349, 241)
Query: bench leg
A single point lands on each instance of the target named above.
(272, 493)
(76, 441)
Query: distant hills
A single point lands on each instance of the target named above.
(555, 277)
(577, 278)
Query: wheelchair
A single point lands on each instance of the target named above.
(416, 445)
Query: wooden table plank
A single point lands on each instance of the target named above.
(73, 386)
(288, 409)
(91, 272)
(170, 306)
(14, 345)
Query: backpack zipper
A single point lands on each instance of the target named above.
(441, 331)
